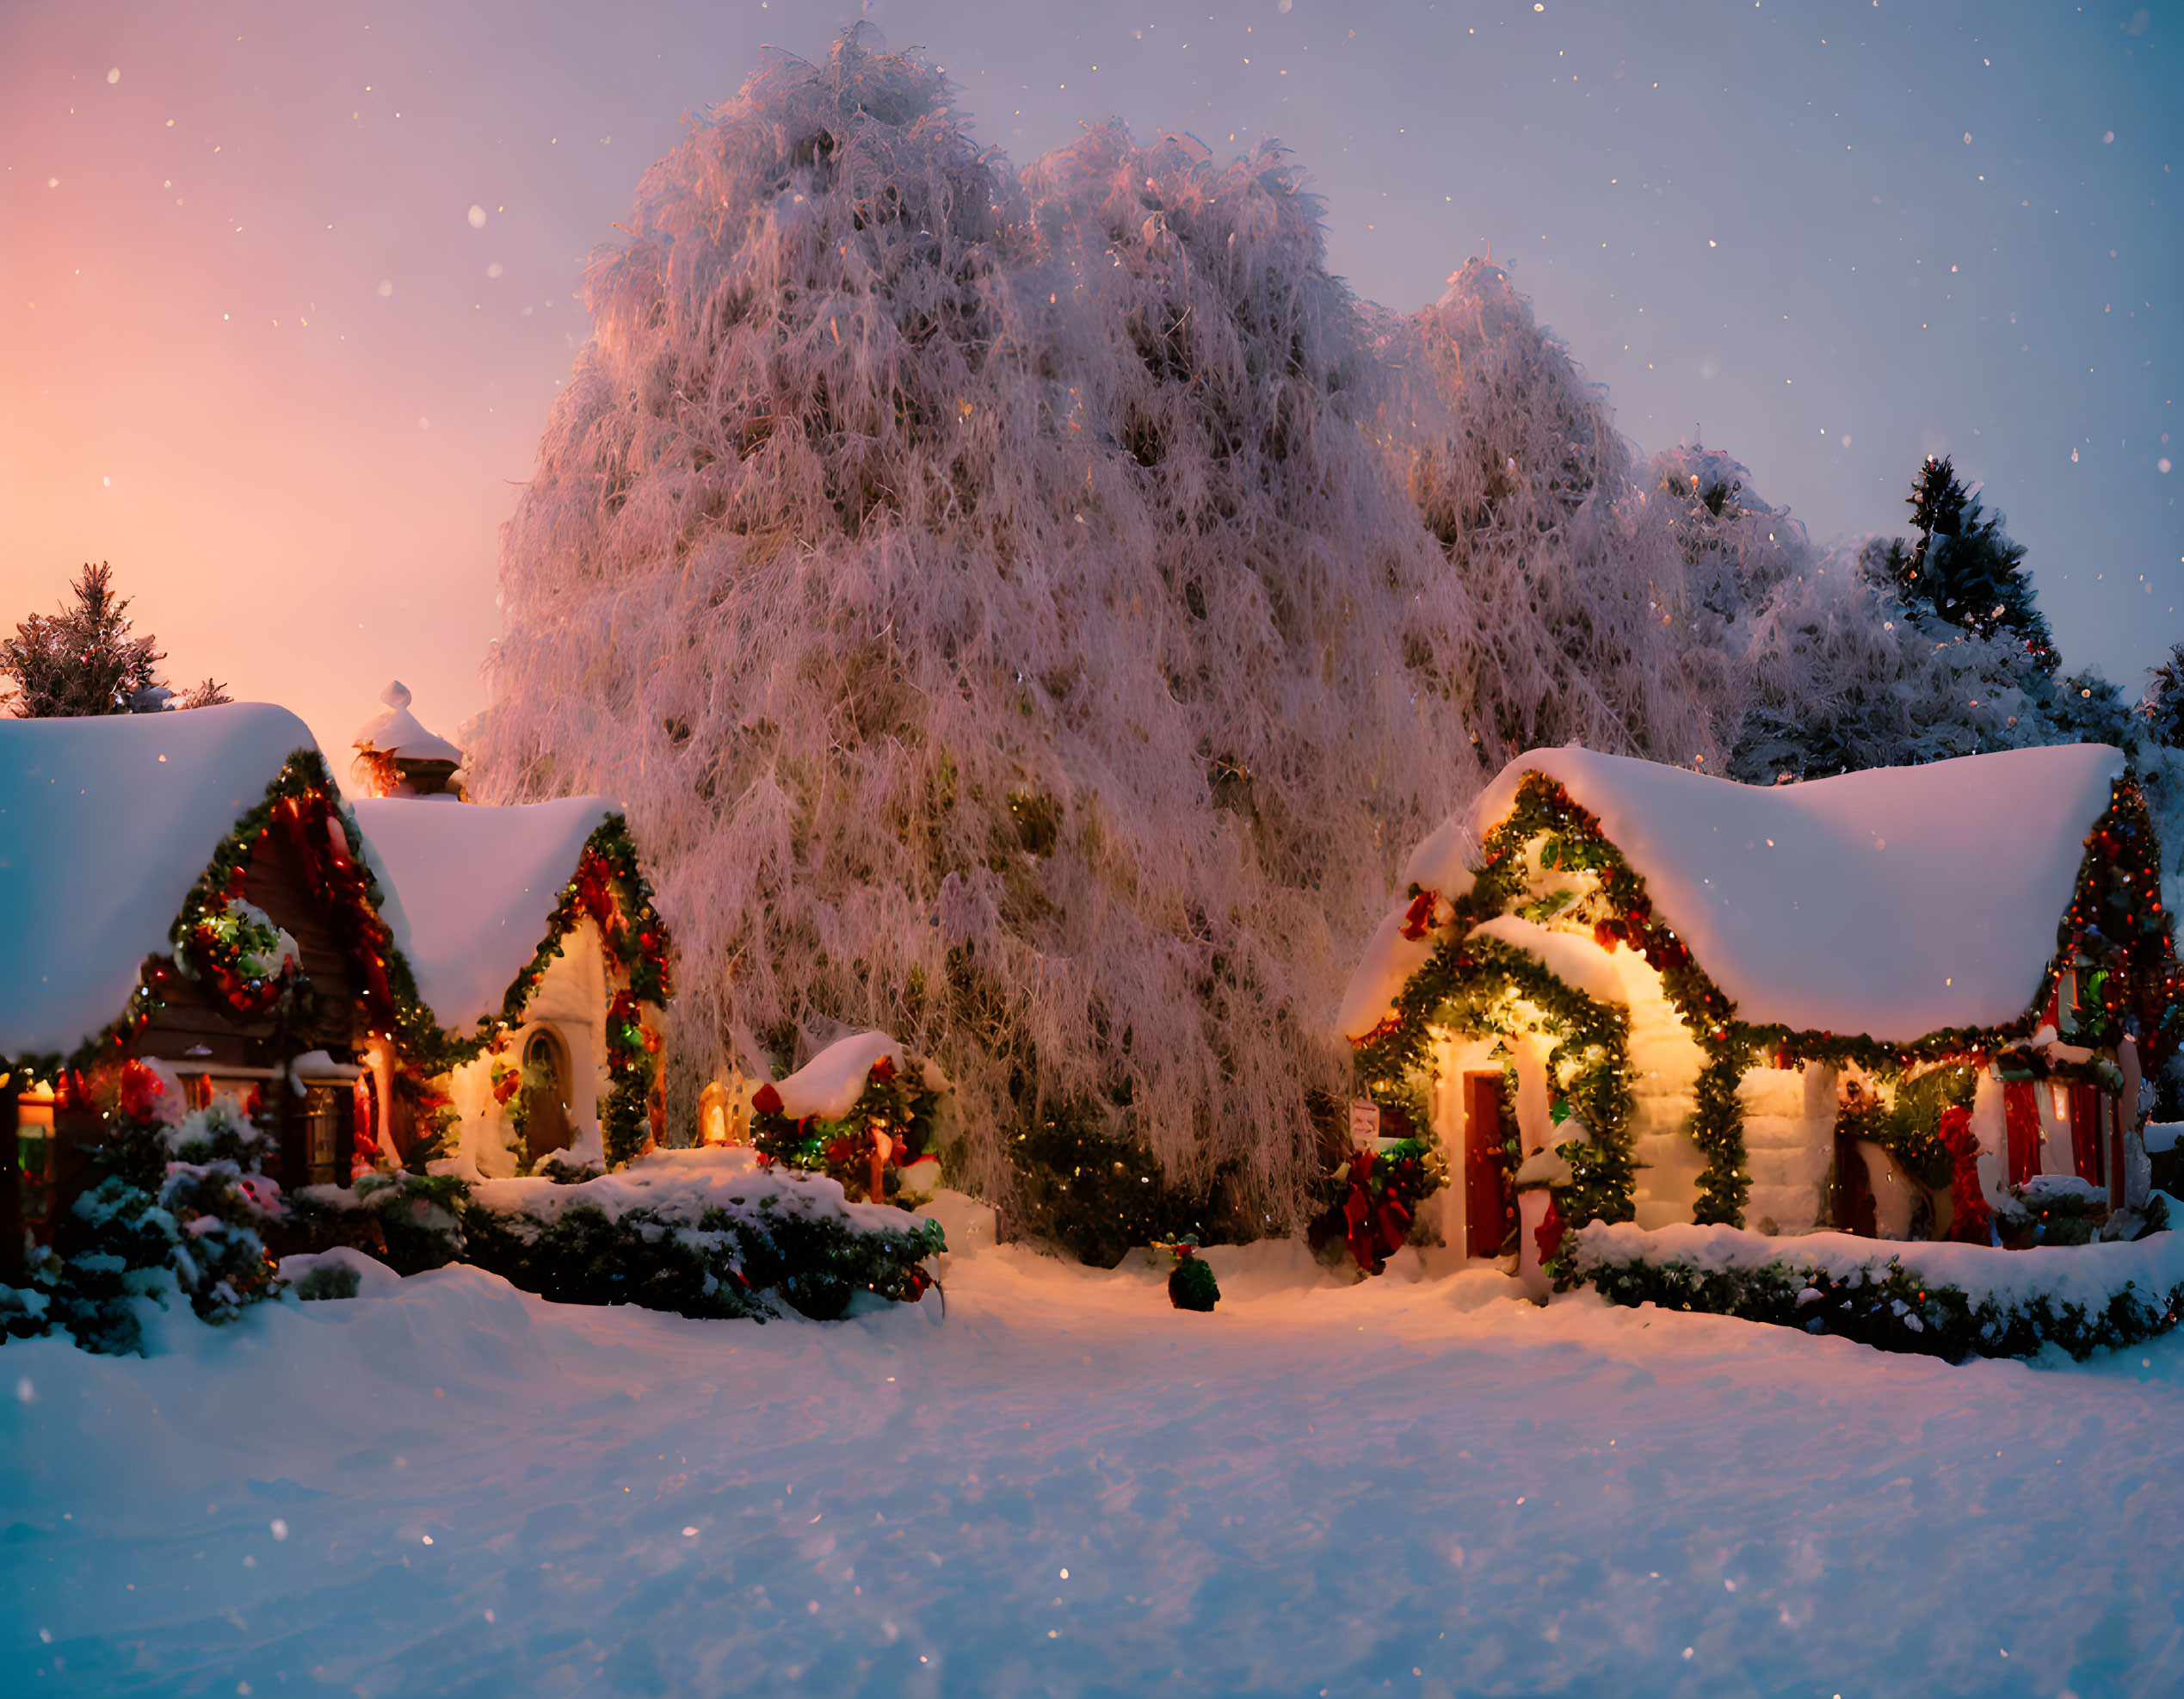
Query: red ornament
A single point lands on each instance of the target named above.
(766, 1099)
(141, 1089)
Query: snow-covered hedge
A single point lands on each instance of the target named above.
(1946, 1300)
(702, 1232)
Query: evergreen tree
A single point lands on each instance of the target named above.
(2162, 705)
(1964, 570)
(86, 659)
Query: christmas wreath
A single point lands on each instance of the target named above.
(235, 948)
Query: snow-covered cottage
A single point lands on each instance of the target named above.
(176, 887)
(532, 936)
(189, 890)
(1873, 1001)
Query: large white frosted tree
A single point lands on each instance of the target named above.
(1033, 612)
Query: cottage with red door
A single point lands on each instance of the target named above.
(1883, 1003)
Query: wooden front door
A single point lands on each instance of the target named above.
(2022, 1114)
(546, 1093)
(1486, 1197)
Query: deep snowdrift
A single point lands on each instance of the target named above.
(1069, 1487)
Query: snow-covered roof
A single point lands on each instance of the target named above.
(1893, 902)
(395, 730)
(467, 892)
(1385, 969)
(830, 1084)
(105, 825)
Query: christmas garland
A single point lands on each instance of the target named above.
(895, 1105)
(608, 889)
(301, 796)
(1463, 981)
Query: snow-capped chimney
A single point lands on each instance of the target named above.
(397, 756)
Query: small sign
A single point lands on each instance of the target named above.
(1365, 1125)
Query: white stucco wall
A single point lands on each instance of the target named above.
(571, 999)
(1665, 1061)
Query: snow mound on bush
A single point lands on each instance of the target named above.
(680, 1186)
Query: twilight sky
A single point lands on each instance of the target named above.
(286, 289)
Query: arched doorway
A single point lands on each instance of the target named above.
(547, 1124)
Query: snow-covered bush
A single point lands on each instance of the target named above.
(411, 1219)
(1002, 602)
(180, 1208)
(1948, 1301)
(704, 1232)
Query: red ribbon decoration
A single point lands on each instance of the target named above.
(1973, 1222)
(1378, 1224)
(1418, 918)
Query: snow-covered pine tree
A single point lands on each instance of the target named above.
(84, 660)
(1964, 570)
(2161, 706)
(999, 603)
(87, 659)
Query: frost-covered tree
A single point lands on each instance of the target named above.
(1566, 616)
(1001, 601)
(86, 659)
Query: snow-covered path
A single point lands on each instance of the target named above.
(1417, 1486)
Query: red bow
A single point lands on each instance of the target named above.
(1378, 1224)
(1418, 918)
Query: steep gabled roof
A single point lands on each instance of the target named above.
(469, 892)
(105, 825)
(1894, 903)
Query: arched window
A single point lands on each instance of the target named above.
(546, 1125)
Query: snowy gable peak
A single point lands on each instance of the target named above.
(468, 892)
(1894, 902)
(106, 822)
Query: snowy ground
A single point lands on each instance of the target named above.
(1414, 1485)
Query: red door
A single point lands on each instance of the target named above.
(2087, 1146)
(1486, 1200)
(2021, 1111)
